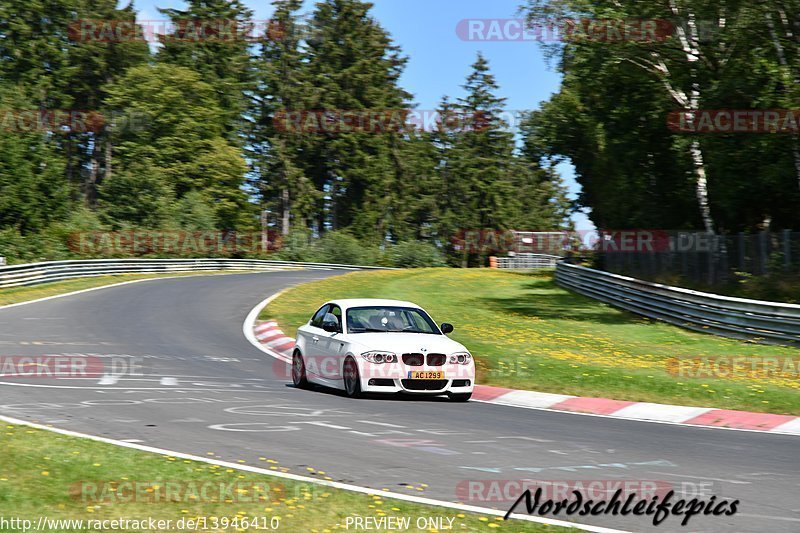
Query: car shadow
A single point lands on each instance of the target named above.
(397, 397)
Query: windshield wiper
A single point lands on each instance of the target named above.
(368, 330)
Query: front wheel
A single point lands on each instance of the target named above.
(299, 371)
(352, 381)
(461, 397)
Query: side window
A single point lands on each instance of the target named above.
(316, 320)
(336, 311)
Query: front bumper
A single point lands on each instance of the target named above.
(394, 378)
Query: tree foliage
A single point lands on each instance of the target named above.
(611, 115)
(192, 135)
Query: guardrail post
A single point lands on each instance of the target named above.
(763, 249)
(740, 246)
(787, 250)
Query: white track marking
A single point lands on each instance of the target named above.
(323, 424)
(315, 481)
(768, 517)
(98, 388)
(734, 481)
(108, 380)
(170, 382)
(385, 424)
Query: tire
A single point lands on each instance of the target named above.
(299, 371)
(461, 397)
(352, 381)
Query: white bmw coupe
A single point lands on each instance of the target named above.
(381, 346)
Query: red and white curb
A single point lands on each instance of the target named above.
(268, 334)
(271, 337)
(650, 412)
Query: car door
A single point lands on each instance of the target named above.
(331, 346)
(312, 333)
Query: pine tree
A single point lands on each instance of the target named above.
(353, 66)
(33, 192)
(34, 49)
(212, 37)
(282, 88)
(96, 59)
(487, 181)
(416, 188)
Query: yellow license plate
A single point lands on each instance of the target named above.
(426, 374)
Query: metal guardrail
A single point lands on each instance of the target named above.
(739, 318)
(35, 273)
(528, 261)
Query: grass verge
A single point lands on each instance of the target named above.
(528, 333)
(68, 478)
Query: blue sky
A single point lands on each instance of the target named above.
(439, 61)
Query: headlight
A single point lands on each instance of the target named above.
(460, 358)
(379, 357)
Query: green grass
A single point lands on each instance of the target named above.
(22, 294)
(45, 474)
(527, 333)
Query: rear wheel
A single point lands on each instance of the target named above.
(299, 371)
(461, 397)
(352, 381)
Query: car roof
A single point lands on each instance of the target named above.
(368, 302)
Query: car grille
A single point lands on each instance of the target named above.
(424, 384)
(413, 359)
(436, 359)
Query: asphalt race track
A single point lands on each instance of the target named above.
(207, 389)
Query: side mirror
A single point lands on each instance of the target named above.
(446, 328)
(330, 323)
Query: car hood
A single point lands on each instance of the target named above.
(405, 342)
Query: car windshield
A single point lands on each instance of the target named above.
(385, 319)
